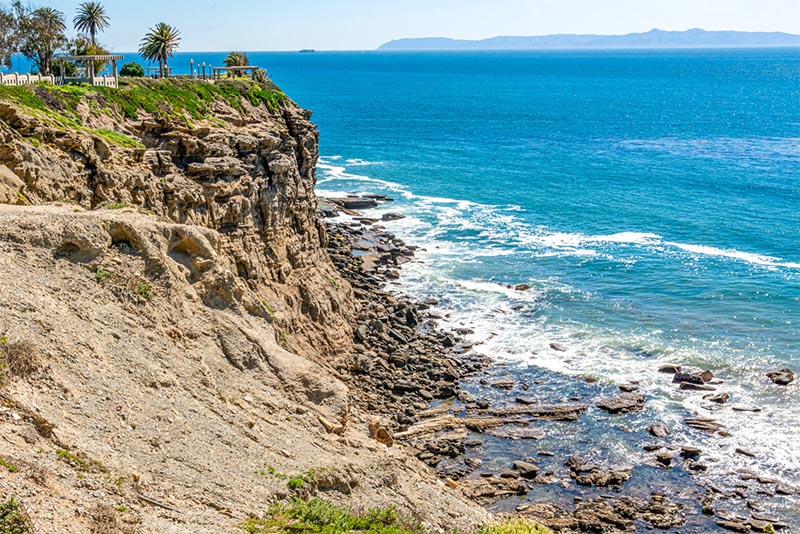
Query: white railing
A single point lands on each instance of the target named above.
(105, 81)
(24, 79)
(28, 79)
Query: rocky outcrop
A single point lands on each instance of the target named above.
(247, 174)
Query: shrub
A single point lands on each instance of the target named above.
(132, 69)
(17, 359)
(518, 525)
(14, 519)
(318, 516)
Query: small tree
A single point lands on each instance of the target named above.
(84, 47)
(132, 69)
(160, 44)
(41, 35)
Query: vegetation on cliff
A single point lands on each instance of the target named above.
(176, 99)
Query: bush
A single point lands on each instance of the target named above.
(519, 525)
(14, 519)
(132, 69)
(317, 516)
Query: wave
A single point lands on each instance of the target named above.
(502, 226)
(756, 259)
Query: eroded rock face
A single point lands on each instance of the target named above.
(250, 176)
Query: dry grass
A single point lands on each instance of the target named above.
(18, 359)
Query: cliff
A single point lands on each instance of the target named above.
(235, 158)
(170, 320)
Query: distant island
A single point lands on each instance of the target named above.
(695, 38)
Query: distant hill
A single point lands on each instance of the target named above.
(694, 38)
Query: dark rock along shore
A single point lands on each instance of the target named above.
(503, 440)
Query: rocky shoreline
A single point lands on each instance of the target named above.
(448, 403)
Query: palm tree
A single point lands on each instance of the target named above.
(237, 59)
(91, 19)
(159, 44)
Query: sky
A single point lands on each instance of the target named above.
(212, 25)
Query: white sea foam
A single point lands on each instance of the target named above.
(756, 259)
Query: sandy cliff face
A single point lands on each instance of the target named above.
(247, 173)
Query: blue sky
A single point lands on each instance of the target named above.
(365, 24)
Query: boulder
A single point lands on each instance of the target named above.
(625, 403)
(783, 377)
(526, 469)
(659, 430)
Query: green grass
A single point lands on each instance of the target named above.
(101, 275)
(316, 516)
(13, 519)
(32, 140)
(177, 99)
(517, 525)
(117, 206)
(118, 138)
(267, 307)
(79, 463)
(8, 465)
(144, 290)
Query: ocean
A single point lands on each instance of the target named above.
(650, 199)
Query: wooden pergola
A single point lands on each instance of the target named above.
(89, 75)
(249, 70)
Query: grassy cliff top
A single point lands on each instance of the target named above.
(177, 99)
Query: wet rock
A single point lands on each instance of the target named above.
(664, 458)
(521, 287)
(670, 369)
(488, 489)
(560, 347)
(392, 217)
(503, 384)
(625, 403)
(784, 377)
(628, 388)
(688, 378)
(589, 474)
(734, 526)
(473, 463)
(526, 469)
(659, 430)
(690, 452)
(744, 452)
(720, 398)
